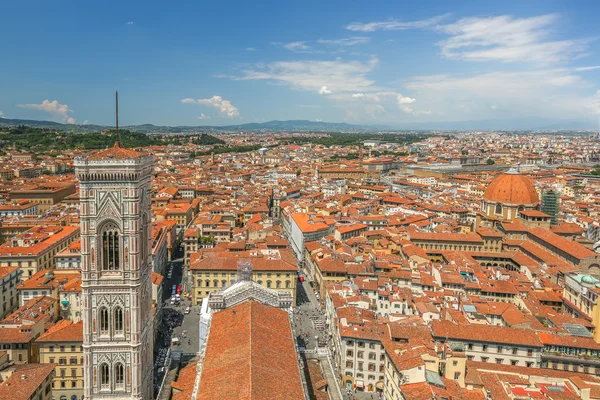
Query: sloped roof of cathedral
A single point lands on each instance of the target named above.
(250, 354)
(116, 153)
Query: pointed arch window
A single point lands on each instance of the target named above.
(119, 376)
(118, 320)
(145, 237)
(110, 247)
(103, 317)
(104, 377)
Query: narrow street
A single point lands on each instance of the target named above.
(175, 323)
(309, 319)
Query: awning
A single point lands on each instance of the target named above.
(359, 382)
(379, 385)
(65, 302)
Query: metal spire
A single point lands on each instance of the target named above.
(117, 115)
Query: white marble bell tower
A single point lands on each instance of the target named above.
(116, 269)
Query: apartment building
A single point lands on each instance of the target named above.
(27, 382)
(301, 228)
(62, 346)
(9, 279)
(581, 298)
(360, 356)
(271, 268)
(34, 250)
(18, 209)
(492, 344)
(45, 196)
(46, 283)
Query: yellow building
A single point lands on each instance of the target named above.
(216, 270)
(62, 345)
(35, 249)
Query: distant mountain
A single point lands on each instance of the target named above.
(300, 125)
(521, 124)
(51, 125)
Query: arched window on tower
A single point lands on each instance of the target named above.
(119, 376)
(110, 247)
(104, 377)
(145, 237)
(103, 317)
(118, 320)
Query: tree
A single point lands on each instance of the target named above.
(490, 161)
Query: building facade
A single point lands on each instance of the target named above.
(115, 193)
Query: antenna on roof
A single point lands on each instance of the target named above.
(117, 114)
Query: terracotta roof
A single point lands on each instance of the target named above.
(484, 333)
(510, 188)
(14, 335)
(250, 354)
(570, 247)
(25, 380)
(64, 331)
(116, 153)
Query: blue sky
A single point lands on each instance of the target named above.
(217, 63)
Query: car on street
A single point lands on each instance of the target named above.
(187, 310)
(173, 300)
(179, 289)
(173, 290)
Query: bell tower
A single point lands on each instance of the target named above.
(116, 269)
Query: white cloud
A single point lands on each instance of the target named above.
(338, 75)
(394, 25)
(250, 49)
(52, 107)
(582, 69)
(550, 93)
(223, 105)
(1, 114)
(202, 116)
(358, 95)
(406, 109)
(318, 120)
(508, 39)
(404, 99)
(296, 46)
(351, 41)
(85, 122)
(324, 90)
(130, 23)
(374, 110)
(494, 107)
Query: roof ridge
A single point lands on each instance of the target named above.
(250, 346)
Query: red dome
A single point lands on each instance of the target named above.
(511, 188)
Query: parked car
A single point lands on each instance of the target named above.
(187, 310)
